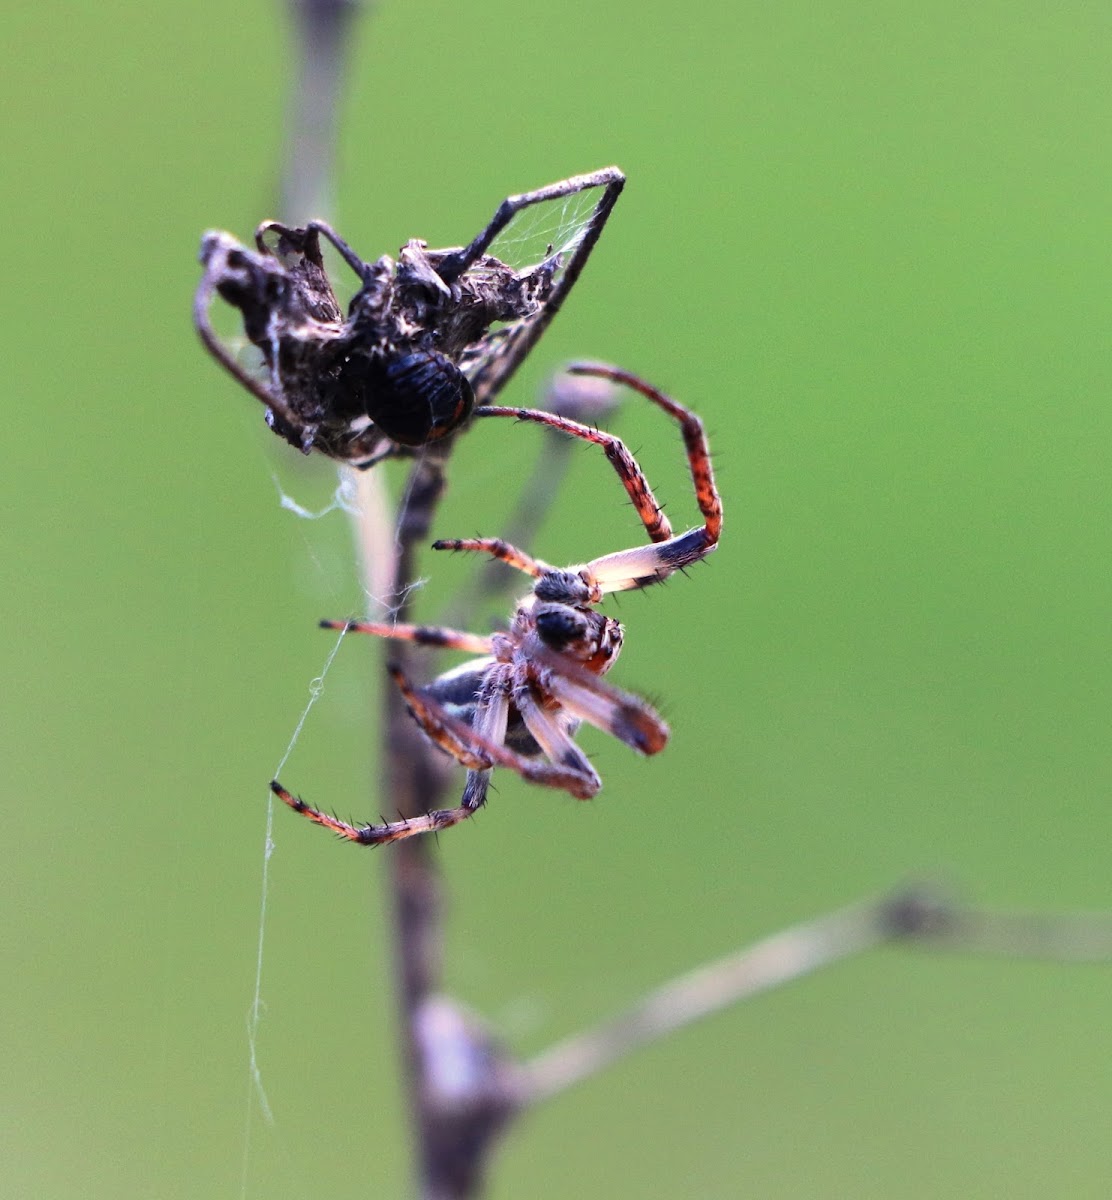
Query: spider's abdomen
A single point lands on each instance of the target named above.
(412, 398)
(458, 691)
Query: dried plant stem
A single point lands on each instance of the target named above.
(708, 989)
(918, 916)
(322, 32)
(453, 1118)
(413, 785)
(322, 29)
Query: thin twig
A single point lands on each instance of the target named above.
(918, 916)
(414, 783)
(1049, 937)
(454, 1117)
(412, 779)
(770, 963)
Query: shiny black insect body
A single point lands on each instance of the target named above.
(425, 342)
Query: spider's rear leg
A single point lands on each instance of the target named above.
(375, 835)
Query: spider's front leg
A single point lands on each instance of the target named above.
(420, 635)
(498, 549)
(642, 565)
(656, 524)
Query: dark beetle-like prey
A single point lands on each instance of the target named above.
(427, 341)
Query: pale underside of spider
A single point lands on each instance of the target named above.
(427, 341)
(520, 703)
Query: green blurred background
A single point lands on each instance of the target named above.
(870, 243)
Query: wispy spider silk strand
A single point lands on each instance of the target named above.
(254, 1017)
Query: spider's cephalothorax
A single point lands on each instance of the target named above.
(424, 340)
(520, 703)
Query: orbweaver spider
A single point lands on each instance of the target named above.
(519, 705)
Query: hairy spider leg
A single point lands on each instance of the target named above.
(590, 698)
(447, 733)
(476, 747)
(462, 741)
(657, 525)
(374, 835)
(497, 548)
(643, 565)
(691, 428)
(553, 739)
(421, 635)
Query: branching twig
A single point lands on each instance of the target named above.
(770, 963)
(915, 915)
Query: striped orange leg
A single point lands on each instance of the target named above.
(477, 748)
(445, 731)
(633, 480)
(497, 548)
(421, 635)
